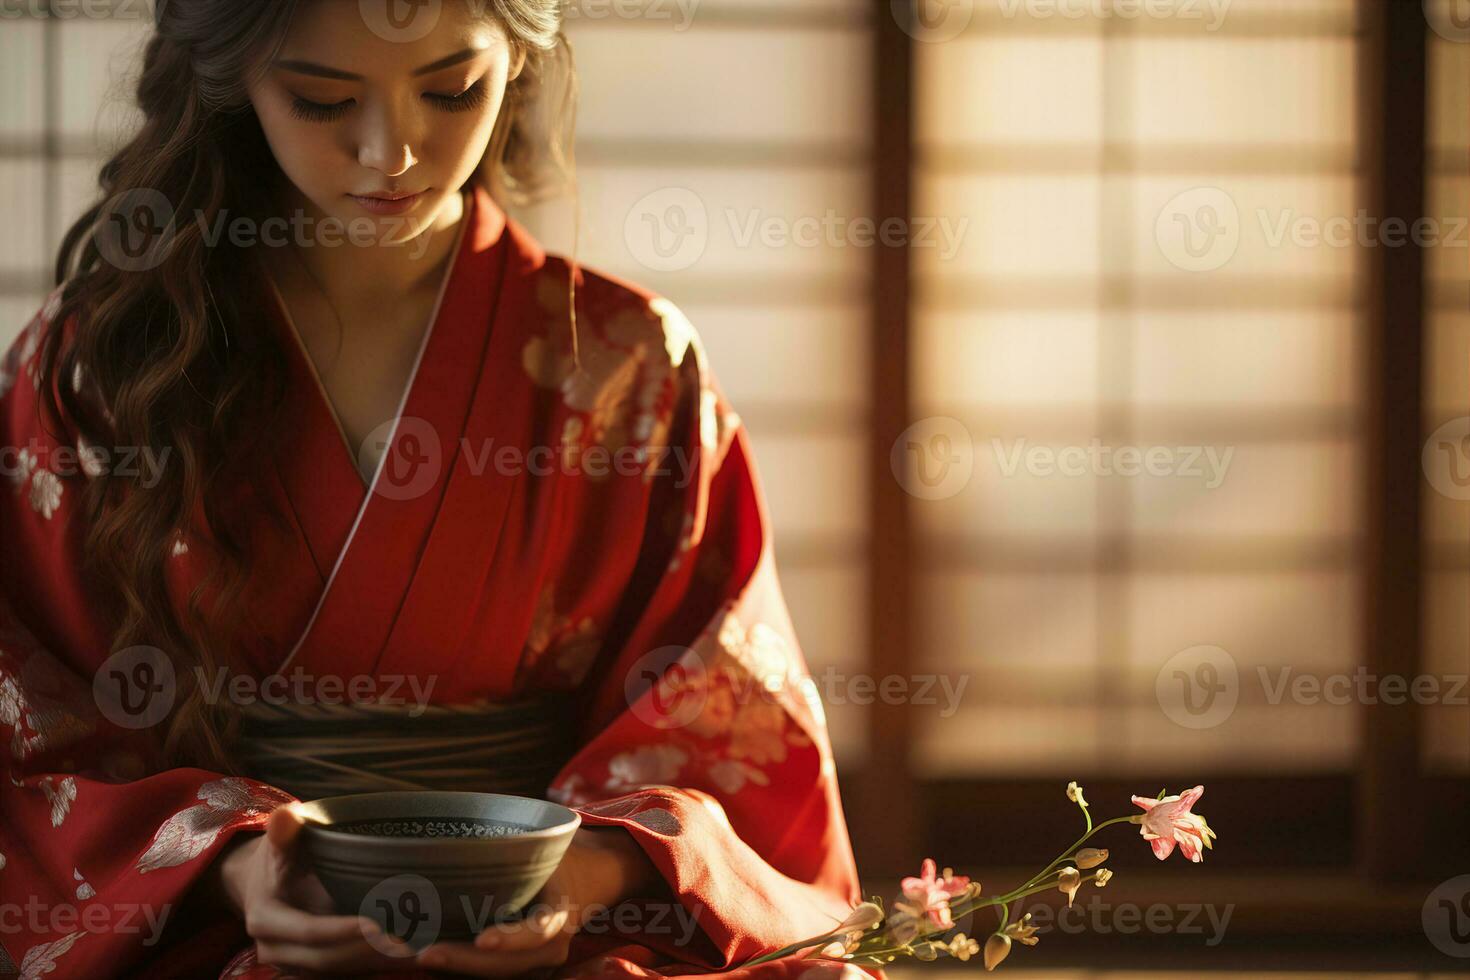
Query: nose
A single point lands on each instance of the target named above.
(387, 140)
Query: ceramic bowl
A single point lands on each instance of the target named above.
(434, 865)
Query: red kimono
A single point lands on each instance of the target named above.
(505, 577)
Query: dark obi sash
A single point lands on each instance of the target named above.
(316, 750)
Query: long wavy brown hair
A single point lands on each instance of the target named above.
(166, 354)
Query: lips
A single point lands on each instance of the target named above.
(388, 196)
(394, 202)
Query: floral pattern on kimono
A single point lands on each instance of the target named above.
(557, 647)
(42, 710)
(622, 379)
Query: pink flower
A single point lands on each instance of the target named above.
(1168, 821)
(930, 895)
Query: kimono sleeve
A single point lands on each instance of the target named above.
(705, 739)
(99, 849)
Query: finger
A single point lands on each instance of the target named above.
(357, 957)
(465, 958)
(275, 921)
(305, 891)
(532, 932)
(282, 827)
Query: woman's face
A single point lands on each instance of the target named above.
(355, 110)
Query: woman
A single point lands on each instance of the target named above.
(327, 478)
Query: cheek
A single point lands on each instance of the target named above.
(290, 139)
(307, 152)
(463, 137)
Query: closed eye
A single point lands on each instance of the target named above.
(316, 111)
(471, 98)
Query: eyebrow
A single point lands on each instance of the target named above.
(323, 71)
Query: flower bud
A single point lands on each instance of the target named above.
(1068, 882)
(962, 947)
(1103, 877)
(1074, 793)
(864, 917)
(1090, 857)
(997, 948)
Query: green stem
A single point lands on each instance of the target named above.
(794, 947)
(1080, 841)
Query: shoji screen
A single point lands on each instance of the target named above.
(695, 137)
(1446, 735)
(25, 170)
(55, 130)
(1125, 285)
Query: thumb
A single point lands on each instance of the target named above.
(282, 828)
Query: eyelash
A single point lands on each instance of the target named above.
(466, 101)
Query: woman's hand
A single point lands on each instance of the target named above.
(290, 915)
(602, 867)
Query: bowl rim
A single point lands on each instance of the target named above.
(564, 827)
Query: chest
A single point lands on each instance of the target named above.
(364, 366)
